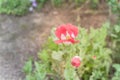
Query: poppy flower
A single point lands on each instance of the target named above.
(76, 61)
(66, 34)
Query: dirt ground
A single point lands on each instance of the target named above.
(22, 37)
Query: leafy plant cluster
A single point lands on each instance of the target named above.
(115, 37)
(17, 7)
(117, 73)
(55, 60)
(38, 74)
(21, 7)
(115, 30)
(93, 3)
(115, 6)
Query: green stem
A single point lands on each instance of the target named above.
(76, 70)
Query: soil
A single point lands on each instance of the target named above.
(22, 37)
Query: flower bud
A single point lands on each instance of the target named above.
(94, 57)
(76, 61)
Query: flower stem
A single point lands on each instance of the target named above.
(76, 70)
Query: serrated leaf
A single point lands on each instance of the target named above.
(40, 72)
(28, 67)
(44, 55)
(57, 55)
(70, 74)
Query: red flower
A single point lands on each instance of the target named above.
(66, 34)
(76, 61)
(94, 57)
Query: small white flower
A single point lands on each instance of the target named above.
(31, 9)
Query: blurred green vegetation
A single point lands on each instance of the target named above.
(114, 30)
(117, 72)
(21, 7)
(16, 7)
(115, 6)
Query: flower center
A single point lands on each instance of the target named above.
(68, 37)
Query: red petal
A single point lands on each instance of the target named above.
(73, 41)
(60, 30)
(72, 29)
(70, 40)
(61, 41)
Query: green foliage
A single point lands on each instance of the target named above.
(79, 2)
(94, 3)
(41, 3)
(117, 72)
(17, 7)
(115, 37)
(93, 43)
(115, 6)
(56, 59)
(28, 67)
(116, 33)
(39, 73)
(21, 7)
(56, 2)
(28, 70)
(115, 30)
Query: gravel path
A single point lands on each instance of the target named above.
(20, 38)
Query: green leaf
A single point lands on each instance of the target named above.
(44, 55)
(117, 28)
(28, 67)
(114, 35)
(117, 67)
(51, 44)
(40, 71)
(57, 55)
(70, 74)
(30, 77)
(117, 72)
